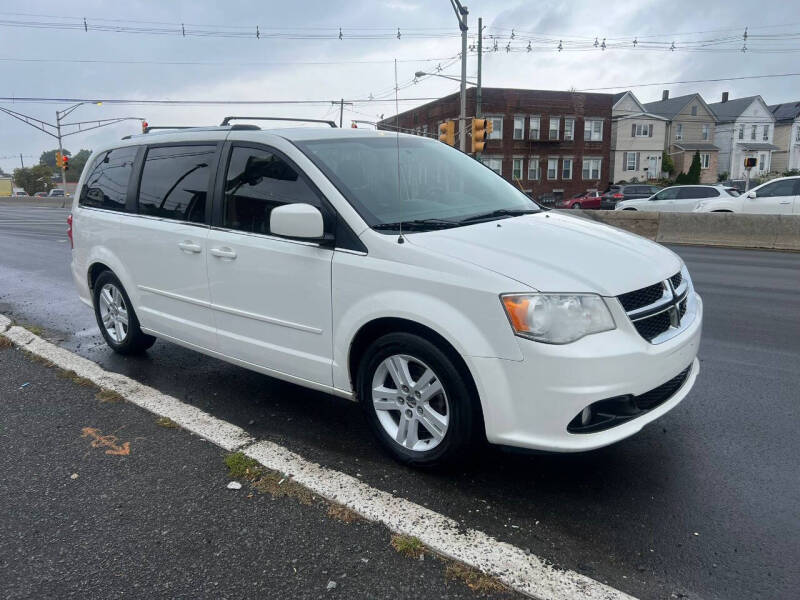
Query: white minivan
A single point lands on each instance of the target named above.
(391, 270)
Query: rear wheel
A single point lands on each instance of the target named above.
(416, 401)
(116, 317)
(576, 205)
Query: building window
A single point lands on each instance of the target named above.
(534, 173)
(497, 128)
(555, 124)
(641, 130)
(566, 168)
(704, 160)
(495, 164)
(591, 168)
(797, 135)
(519, 128)
(765, 135)
(533, 130)
(694, 111)
(569, 129)
(706, 130)
(593, 130)
(631, 158)
(516, 168)
(741, 132)
(425, 129)
(679, 131)
(552, 168)
(753, 132)
(762, 162)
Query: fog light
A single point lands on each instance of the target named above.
(586, 415)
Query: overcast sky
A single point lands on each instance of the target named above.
(268, 69)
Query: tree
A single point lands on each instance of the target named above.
(76, 165)
(666, 163)
(693, 176)
(49, 157)
(34, 179)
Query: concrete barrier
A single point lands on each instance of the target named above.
(774, 232)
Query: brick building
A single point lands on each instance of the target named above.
(552, 144)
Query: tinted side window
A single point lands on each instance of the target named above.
(175, 182)
(779, 188)
(668, 194)
(256, 182)
(106, 185)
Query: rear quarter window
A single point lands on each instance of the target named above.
(106, 185)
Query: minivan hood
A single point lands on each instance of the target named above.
(551, 252)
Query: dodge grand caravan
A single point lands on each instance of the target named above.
(392, 270)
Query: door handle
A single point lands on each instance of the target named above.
(189, 246)
(786, 202)
(224, 252)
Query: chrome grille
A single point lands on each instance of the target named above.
(658, 309)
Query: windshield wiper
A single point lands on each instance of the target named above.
(416, 225)
(502, 212)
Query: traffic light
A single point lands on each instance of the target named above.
(145, 125)
(481, 128)
(447, 133)
(65, 162)
(59, 159)
(750, 163)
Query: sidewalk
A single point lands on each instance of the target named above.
(98, 499)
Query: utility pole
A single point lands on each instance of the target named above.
(21, 164)
(478, 112)
(461, 14)
(61, 152)
(341, 104)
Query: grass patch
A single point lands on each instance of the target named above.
(408, 545)
(342, 513)
(279, 485)
(74, 377)
(473, 578)
(5, 342)
(109, 396)
(34, 329)
(242, 467)
(167, 423)
(38, 359)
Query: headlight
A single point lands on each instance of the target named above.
(557, 318)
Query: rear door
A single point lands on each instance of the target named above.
(775, 198)
(166, 240)
(688, 197)
(271, 295)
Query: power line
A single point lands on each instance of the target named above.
(216, 63)
(43, 100)
(633, 85)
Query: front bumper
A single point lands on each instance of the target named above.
(530, 403)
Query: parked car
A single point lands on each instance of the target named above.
(40, 194)
(777, 197)
(617, 193)
(55, 193)
(678, 198)
(451, 308)
(20, 193)
(588, 199)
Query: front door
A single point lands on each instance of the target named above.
(271, 296)
(776, 198)
(652, 167)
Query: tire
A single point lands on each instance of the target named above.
(440, 430)
(628, 209)
(577, 205)
(111, 303)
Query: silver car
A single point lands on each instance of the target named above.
(678, 198)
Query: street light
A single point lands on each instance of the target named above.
(423, 74)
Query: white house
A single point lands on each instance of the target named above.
(637, 140)
(745, 129)
(787, 136)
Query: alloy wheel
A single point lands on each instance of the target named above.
(410, 402)
(113, 312)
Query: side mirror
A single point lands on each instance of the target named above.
(299, 221)
(751, 195)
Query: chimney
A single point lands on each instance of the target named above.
(665, 95)
(724, 96)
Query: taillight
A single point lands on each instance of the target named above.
(618, 195)
(69, 230)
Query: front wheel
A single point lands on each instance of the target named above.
(116, 318)
(416, 401)
(576, 205)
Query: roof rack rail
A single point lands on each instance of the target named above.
(150, 128)
(227, 120)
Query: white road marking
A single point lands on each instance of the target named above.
(523, 572)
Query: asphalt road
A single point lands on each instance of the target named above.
(704, 503)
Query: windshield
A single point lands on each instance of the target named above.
(437, 183)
